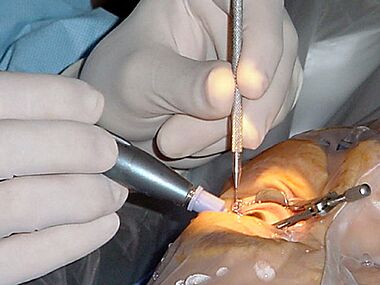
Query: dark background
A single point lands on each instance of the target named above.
(121, 8)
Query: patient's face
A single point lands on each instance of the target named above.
(341, 248)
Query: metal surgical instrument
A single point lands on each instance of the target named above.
(237, 110)
(143, 173)
(322, 206)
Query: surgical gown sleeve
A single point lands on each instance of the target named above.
(46, 36)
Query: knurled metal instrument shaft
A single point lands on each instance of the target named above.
(237, 110)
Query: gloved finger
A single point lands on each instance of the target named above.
(38, 202)
(175, 146)
(258, 115)
(48, 97)
(292, 94)
(215, 20)
(179, 164)
(262, 46)
(262, 39)
(203, 89)
(182, 136)
(24, 257)
(41, 147)
(262, 43)
(216, 148)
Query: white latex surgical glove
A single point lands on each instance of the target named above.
(55, 206)
(168, 86)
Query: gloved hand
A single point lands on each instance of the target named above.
(166, 80)
(58, 207)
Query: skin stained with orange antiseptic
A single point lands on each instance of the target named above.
(300, 170)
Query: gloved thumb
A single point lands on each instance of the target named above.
(203, 89)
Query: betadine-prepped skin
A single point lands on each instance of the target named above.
(223, 248)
